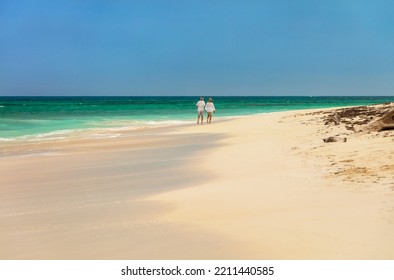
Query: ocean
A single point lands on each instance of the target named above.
(40, 118)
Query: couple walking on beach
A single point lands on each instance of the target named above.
(209, 107)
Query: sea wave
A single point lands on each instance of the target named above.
(7, 139)
(98, 132)
(133, 125)
(103, 135)
(53, 135)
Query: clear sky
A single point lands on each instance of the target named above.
(181, 47)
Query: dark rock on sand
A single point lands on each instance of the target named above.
(334, 139)
(384, 123)
(376, 117)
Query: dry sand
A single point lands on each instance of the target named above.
(259, 187)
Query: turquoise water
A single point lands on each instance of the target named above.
(38, 116)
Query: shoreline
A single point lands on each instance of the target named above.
(259, 187)
(30, 120)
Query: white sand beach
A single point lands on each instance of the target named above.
(257, 187)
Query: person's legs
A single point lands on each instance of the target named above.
(209, 117)
(200, 116)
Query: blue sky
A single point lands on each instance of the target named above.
(272, 47)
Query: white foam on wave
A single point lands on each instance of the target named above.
(104, 135)
(48, 136)
(57, 132)
(51, 138)
(166, 123)
(54, 135)
(134, 125)
(7, 139)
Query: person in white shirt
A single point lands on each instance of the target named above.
(210, 108)
(200, 110)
